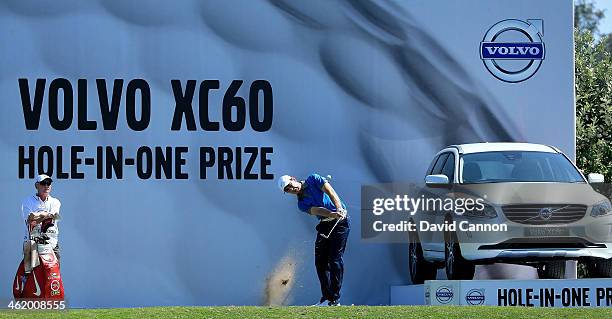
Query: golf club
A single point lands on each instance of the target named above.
(332, 229)
(329, 177)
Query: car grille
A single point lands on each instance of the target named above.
(532, 214)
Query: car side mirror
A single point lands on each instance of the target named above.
(438, 180)
(595, 178)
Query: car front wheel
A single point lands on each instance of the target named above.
(600, 268)
(552, 270)
(420, 269)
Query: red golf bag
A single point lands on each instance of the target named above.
(45, 280)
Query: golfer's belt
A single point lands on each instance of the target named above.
(328, 219)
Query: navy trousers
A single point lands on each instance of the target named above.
(328, 257)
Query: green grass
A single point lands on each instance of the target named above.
(316, 312)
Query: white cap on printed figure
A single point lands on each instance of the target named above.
(42, 177)
(283, 181)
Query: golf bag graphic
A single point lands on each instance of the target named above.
(42, 279)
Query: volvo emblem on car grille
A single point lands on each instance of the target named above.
(545, 213)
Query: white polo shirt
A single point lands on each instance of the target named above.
(33, 204)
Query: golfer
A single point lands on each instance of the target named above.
(41, 206)
(317, 197)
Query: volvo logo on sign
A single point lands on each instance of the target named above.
(513, 50)
(444, 294)
(475, 297)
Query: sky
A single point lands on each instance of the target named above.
(605, 26)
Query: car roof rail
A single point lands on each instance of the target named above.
(457, 147)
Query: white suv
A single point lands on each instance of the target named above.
(552, 211)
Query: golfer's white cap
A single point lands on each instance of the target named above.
(283, 181)
(42, 177)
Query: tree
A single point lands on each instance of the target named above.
(593, 104)
(608, 42)
(586, 16)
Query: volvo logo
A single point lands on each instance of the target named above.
(513, 50)
(444, 294)
(475, 297)
(545, 213)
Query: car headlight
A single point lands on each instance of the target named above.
(487, 211)
(601, 209)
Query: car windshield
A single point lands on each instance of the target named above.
(517, 166)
